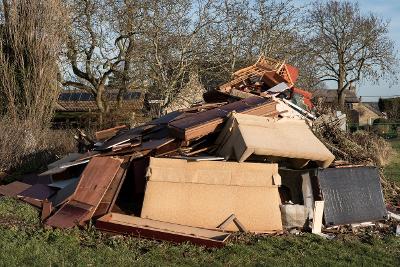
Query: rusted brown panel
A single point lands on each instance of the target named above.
(36, 194)
(13, 189)
(68, 216)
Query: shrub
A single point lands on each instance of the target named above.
(26, 147)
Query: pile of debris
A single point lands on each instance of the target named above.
(246, 160)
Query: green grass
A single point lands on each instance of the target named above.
(24, 241)
(392, 171)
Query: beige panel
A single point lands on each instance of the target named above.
(244, 135)
(212, 172)
(207, 206)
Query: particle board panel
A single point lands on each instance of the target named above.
(351, 195)
(212, 172)
(245, 135)
(207, 206)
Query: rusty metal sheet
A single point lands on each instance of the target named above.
(124, 224)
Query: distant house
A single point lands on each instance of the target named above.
(329, 96)
(77, 107)
(365, 113)
(81, 101)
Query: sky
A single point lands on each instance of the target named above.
(388, 10)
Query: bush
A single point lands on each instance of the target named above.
(360, 147)
(27, 147)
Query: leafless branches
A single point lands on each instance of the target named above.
(347, 46)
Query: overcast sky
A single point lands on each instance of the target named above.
(389, 10)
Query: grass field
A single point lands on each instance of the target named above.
(392, 171)
(24, 242)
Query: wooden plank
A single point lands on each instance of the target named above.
(124, 224)
(68, 216)
(112, 192)
(108, 133)
(96, 179)
(318, 214)
(211, 120)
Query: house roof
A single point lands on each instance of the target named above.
(330, 95)
(374, 107)
(77, 100)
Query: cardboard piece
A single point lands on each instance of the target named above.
(352, 195)
(204, 194)
(125, 224)
(245, 135)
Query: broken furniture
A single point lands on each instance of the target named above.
(290, 140)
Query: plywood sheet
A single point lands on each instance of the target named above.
(246, 135)
(351, 195)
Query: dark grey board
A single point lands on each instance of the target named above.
(352, 195)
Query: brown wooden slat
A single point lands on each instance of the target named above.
(113, 190)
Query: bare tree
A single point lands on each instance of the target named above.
(171, 44)
(30, 42)
(94, 51)
(348, 46)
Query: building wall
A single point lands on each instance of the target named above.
(365, 115)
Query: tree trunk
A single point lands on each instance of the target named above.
(100, 104)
